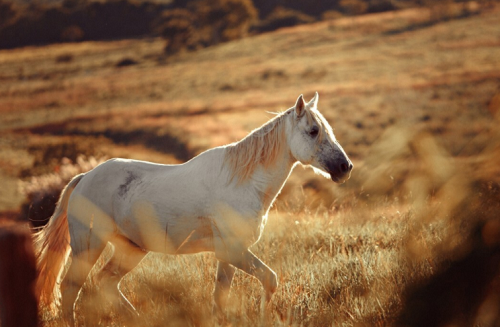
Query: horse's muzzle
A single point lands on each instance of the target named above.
(340, 172)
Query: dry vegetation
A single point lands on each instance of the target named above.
(413, 100)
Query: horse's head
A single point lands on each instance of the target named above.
(312, 141)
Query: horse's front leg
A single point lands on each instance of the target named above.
(225, 273)
(249, 263)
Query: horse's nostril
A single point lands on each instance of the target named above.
(345, 167)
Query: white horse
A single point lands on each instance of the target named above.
(217, 201)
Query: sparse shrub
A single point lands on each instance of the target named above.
(35, 25)
(72, 33)
(312, 8)
(186, 24)
(7, 12)
(77, 20)
(443, 10)
(283, 17)
(331, 15)
(203, 23)
(239, 17)
(177, 29)
(375, 6)
(353, 7)
(223, 20)
(440, 10)
(265, 7)
(42, 192)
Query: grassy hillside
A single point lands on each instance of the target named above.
(413, 101)
(373, 73)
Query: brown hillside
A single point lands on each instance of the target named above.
(372, 72)
(411, 239)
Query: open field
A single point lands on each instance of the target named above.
(415, 105)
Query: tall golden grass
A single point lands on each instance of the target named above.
(376, 260)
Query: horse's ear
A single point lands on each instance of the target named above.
(314, 101)
(299, 106)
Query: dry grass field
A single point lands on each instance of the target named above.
(414, 102)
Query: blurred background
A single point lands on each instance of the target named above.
(411, 88)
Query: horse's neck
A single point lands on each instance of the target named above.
(269, 181)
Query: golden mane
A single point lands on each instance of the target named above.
(262, 146)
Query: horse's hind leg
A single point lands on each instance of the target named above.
(86, 248)
(126, 256)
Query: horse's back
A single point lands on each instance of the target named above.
(142, 197)
(146, 201)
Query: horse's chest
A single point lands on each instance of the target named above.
(260, 228)
(248, 231)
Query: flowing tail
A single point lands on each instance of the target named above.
(52, 249)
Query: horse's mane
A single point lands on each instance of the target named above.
(264, 144)
(261, 146)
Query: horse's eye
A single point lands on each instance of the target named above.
(314, 132)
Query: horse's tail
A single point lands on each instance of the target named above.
(52, 249)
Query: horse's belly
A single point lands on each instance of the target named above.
(171, 236)
(200, 239)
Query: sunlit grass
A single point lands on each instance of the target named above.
(334, 268)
